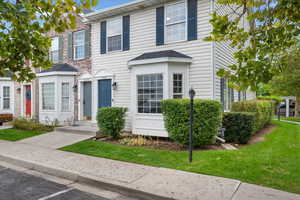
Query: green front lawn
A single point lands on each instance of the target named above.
(294, 119)
(274, 162)
(15, 134)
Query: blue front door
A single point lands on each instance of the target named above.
(104, 93)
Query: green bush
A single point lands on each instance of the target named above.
(207, 120)
(238, 126)
(276, 99)
(30, 125)
(263, 110)
(111, 121)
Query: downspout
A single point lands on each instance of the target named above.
(212, 8)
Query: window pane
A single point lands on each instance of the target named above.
(177, 86)
(48, 97)
(175, 13)
(54, 56)
(114, 43)
(54, 44)
(114, 27)
(6, 97)
(176, 32)
(65, 101)
(150, 93)
(79, 38)
(79, 52)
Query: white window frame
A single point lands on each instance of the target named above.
(5, 98)
(107, 36)
(182, 86)
(42, 105)
(68, 97)
(137, 93)
(165, 22)
(57, 50)
(74, 46)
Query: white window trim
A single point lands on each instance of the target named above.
(42, 96)
(51, 57)
(9, 97)
(119, 18)
(165, 22)
(69, 97)
(74, 46)
(182, 87)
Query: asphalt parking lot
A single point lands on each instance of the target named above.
(16, 185)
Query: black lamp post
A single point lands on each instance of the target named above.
(192, 95)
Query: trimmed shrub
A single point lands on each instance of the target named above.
(30, 125)
(238, 126)
(276, 99)
(111, 121)
(263, 111)
(207, 120)
(6, 118)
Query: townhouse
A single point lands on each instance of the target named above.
(149, 50)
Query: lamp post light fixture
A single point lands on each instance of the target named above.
(192, 94)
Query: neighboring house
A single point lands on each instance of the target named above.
(58, 86)
(7, 95)
(149, 50)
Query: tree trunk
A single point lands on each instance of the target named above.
(297, 106)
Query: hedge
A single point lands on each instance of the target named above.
(31, 125)
(276, 99)
(263, 110)
(207, 120)
(111, 120)
(239, 126)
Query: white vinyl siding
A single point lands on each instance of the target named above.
(54, 51)
(142, 40)
(48, 96)
(175, 22)
(79, 45)
(114, 34)
(65, 97)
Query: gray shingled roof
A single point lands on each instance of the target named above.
(161, 54)
(61, 68)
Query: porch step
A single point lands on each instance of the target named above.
(84, 130)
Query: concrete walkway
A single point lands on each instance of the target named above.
(141, 181)
(55, 140)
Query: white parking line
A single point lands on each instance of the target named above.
(56, 194)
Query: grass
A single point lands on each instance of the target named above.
(274, 162)
(15, 134)
(294, 119)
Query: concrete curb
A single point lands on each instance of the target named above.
(72, 176)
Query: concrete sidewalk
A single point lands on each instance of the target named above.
(141, 181)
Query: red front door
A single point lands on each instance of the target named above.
(28, 100)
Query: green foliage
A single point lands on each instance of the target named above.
(6, 118)
(30, 125)
(264, 111)
(23, 37)
(111, 121)
(273, 28)
(239, 126)
(207, 119)
(277, 100)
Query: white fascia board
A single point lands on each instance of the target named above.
(57, 74)
(159, 60)
(5, 79)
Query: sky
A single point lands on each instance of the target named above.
(109, 3)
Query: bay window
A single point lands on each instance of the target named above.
(149, 93)
(6, 97)
(54, 50)
(114, 34)
(175, 22)
(65, 97)
(48, 96)
(79, 41)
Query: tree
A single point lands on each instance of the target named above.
(287, 83)
(23, 27)
(274, 26)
